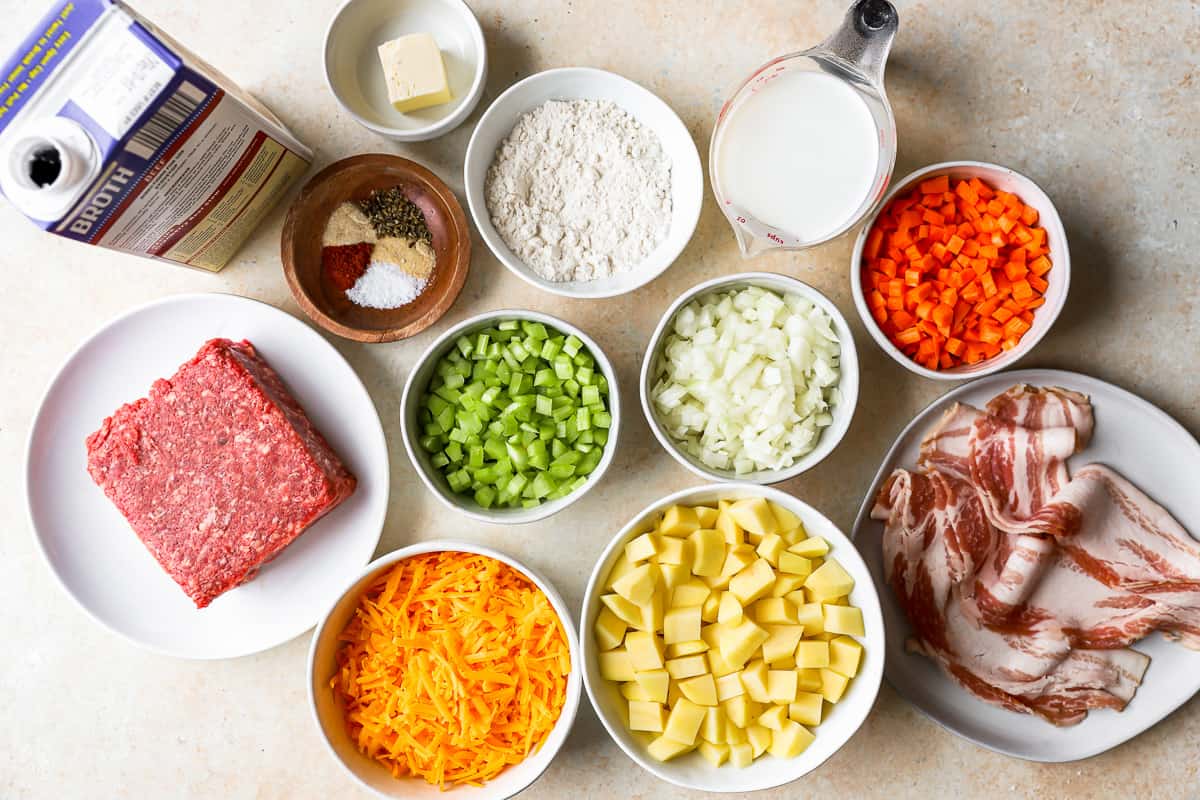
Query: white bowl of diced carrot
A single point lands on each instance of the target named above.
(732, 638)
(962, 271)
(446, 662)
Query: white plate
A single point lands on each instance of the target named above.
(96, 555)
(1146, 446)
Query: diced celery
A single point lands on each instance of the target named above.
(485, 496)
(572, 345)
(544, 405)
(464, 345)
(509, 325)
(439, 460)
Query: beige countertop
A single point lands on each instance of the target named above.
(1097, 102)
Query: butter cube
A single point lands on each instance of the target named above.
(664, 749)
(715, 754)
(684, 721)
(700, 689)
(414, 72)
(616, 666)
(609, 629)
(845, 654)
(809, 654)
(807, 708)
(708, 551)
(645, 716)
(681, 625)
(638, 584)
(646, 650)
(754, 582)
(790, 740)
(655, 684)
(679, 521)
(844, 619)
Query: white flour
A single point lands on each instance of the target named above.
(580, 190)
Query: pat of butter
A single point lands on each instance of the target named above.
(414, 71)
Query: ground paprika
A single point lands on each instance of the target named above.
(345, 264)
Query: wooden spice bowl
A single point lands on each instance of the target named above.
(354, 179)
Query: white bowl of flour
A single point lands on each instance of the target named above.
(583, 183)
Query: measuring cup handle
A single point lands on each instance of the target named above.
(866, 37)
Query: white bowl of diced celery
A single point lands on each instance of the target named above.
(510, 416)
(750, 377)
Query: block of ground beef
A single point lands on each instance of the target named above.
(217, 470)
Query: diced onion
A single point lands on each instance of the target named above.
(747, 379)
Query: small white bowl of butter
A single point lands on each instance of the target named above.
(355, 74)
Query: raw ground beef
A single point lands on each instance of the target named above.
(217, 470)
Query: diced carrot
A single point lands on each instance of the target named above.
(895, 302)
(880, 315)
(995, 207)
(909, 336)
(1039, 266)
(955, 347)
(1002, 315)
(937, 185)
(1022, 290)
(1004, 223)
(964, 190)
(874, 242)
(1015, 327)
(955, 244)
(990, 333)
(988, 284)
(876, 299)
(1029, 216)
(1015, 270)
(902, 319)
(925, 308)
(942, 315)
(1040, 285)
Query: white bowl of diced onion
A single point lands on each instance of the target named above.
(692, 770)
(418, 382)
(788, 334)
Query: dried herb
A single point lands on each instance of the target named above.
(393, 214)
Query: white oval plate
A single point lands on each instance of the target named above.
(95, 554)
(1146, 446)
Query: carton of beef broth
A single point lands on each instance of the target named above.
(113, 134)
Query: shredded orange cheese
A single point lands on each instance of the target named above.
(454, 666)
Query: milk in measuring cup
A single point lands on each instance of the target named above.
(799, 154)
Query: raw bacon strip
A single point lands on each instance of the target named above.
(1036, 408)
(947, 448)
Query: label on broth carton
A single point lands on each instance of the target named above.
(113, 134)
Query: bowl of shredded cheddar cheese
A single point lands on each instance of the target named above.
(446, 667)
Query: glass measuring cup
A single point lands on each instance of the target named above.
(855, 54)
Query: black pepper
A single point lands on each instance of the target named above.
(393, 214)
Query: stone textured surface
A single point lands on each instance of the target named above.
(1098, 102)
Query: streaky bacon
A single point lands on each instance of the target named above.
(1024, 584)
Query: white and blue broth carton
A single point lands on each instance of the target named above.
(113, 134)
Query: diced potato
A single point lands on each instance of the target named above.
(829, 580)
(687, 666)
(681, 649)
(741, 710)
(708, 611)
(652, 613)
(790, 740)
(845, 654)
(632, 690)
(731, 532)
(673, 694)
(734, 734)
(770, 548)
(738, 643)
(781, 685)
(678, 521)
(837, 601)
(672, 550)
(715, 754)
(741, 755)
(753, 582)
(664, 749)
(729, 686)
(644, 716)
(692, 593)
(638, 584)
(683, 723)
(794, 564)
(718, 584)
(786, 520)
(793, 536)
(773, 718)
(825, 636)
(808, 680)
(708, 551)
(780, 646)
(701, 689)
(729, 612)
(811, 547)
(619, 568)
(754, 678)
(759, 737)
(655, 684)
(713, 727)
(786, 584)
(645, 650)
(615, 665)
(623, 609)
(641, 548)
(706, 516)
(844, 619)
(812, 617)
(775, 611)
(609, 629)
(833, 685)
(718, 666)
(681, 625)
(754, 515)
(807, 708)
(809, 654)
(674, 574)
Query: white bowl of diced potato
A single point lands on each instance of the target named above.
(732, 638)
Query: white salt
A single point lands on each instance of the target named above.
(385, 285)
